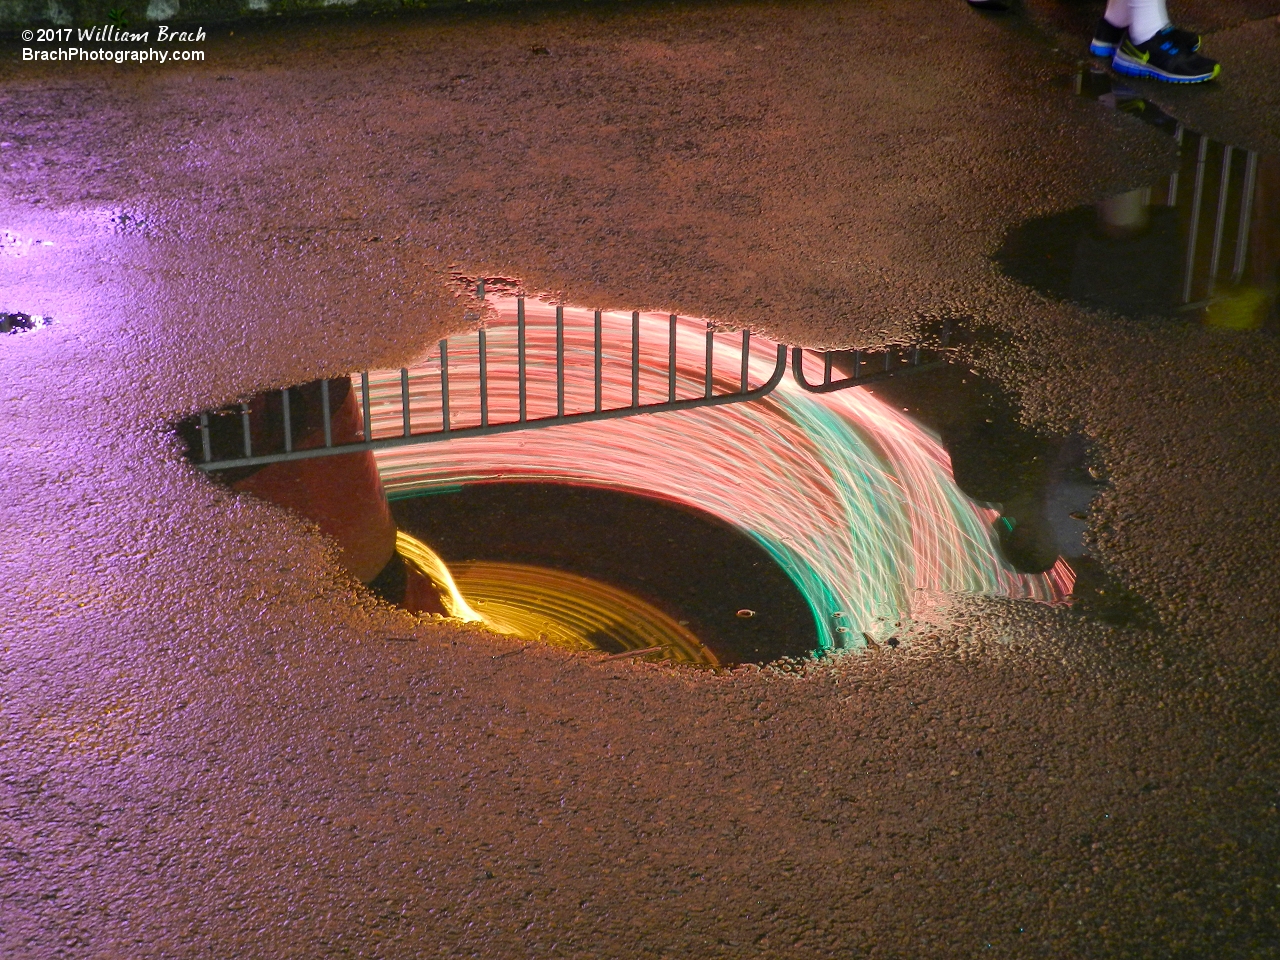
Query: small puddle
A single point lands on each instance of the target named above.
(795, 524)
(1202, 245)
(22, 322)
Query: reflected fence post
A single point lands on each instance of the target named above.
(389, 403)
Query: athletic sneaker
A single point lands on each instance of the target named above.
(1163, 58)
(1107, 39)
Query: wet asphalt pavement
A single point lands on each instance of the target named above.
(213, 743)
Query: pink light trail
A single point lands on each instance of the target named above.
(854, 500)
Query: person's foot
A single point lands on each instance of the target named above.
(989, 4)
(1163, 58)
(1107, 39)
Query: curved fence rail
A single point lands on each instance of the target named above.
(538, 366)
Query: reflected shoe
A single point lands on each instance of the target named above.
(1107, 39)
(1163, 58)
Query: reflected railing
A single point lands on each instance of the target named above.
(1215, 191)
(536, 365)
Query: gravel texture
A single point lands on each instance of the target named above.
(212, 743)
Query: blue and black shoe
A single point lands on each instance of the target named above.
(1107, 39)
(1164, 58)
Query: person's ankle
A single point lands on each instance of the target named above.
(1155, 33)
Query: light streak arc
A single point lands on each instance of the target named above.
(854, 500)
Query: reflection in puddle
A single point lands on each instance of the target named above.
(1204, 243)
(1042, 483)
(845, 500)
(575, 612)
(431, 570)
(341, 494)
(851, 498)
(21, 322)
(552, 606)
(698, 570)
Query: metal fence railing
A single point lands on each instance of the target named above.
(861, 367)
(529, 375)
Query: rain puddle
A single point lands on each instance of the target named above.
(793, 523)
(1203, 244)
(21, 322)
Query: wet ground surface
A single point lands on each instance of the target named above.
(216, 742)
(1242, 36)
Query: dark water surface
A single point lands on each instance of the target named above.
(691, 565)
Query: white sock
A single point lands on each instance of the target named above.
(1118, 13)
(1146, 19)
